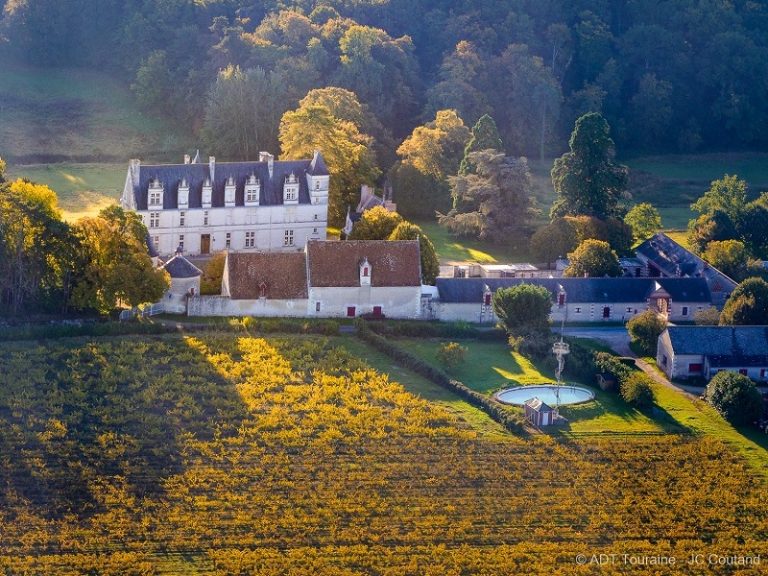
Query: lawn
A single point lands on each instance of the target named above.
(74, 115)
(492, 366)
(452, 249)
(83, 189)
(287, 455)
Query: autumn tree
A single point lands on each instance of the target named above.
(554, 240)
(114, 266)
(586, 179)
(593, 258)
(494, 204)
(728, 256)
(430, 264)
(346, 150)
(644, 219)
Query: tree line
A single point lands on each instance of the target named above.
(668, 75)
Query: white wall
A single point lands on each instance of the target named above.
(395, 302)
(175, 298)
(223, 306)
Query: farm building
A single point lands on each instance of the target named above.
(579, 299)
(702, 351)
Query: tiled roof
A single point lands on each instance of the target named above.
(337, 263)
(170, 175)
(720, 341)
(180, 267)
(284, 275)
(583, 290)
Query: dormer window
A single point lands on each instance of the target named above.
(365, 273)
(252, 190)
(229, 192)
(207, 193)
(183, 193)
(155, 194)
(291, 189)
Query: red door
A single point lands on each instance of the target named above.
(351, 311)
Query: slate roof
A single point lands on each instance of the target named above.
(317, 165)
(283, 273)
(719, 341)
(337, 263)
(579, 290)
(151, 249)
(170, 175)
(180, 267)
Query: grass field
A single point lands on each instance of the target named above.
(286, 455)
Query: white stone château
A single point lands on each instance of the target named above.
(202, 208)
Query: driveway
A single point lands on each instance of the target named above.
(614, 336)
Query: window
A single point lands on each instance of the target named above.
(685, 311)
(607, 312)
(181, 242)
(314, 230)
(156, 242)
(252, 194)
(365, 271)
(205, 218)
(743, 371)
(317, 184)
(561, 300)
(154, 219)
(487, 298)
(315, 216)
(182, 218)
(155, 197)
(695, 368)
(288, 238)
(629, 309)
(664, 360)
(228, 240)
(262, 290)
(351, 311)
(317, 306)
(377, 311)
(250, 239)
(578, 310)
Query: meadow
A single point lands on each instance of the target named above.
(226, 454)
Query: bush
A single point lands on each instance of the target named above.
(707, 317)
(736, 397)
(636, 390)
(644, 331)
(523, 309)
(610, 364)
(451, 354)
(210, 281)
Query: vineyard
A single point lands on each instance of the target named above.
(219, 454)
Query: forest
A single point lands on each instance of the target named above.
(669, 76)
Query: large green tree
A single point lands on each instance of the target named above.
(644, 219)
(485, 136)
(728, 195)
(586, 179)
(430, 264)
(728, 256)
(736, 397)
(496, 203)
(747, 304)
(523, 310)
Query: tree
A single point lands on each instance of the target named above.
(747, 304)
(2, 170)
(736, 397)
(644, 331)
(593, 258)
(346, 151)
(243, 111)
(115, 267)
(707, 317)
(430, 264)
(710, 227)
(35, 249)
(378, 223)
(484, 136)
(636, 390)
(728, 256)
(524, 309)
(728, 195)
(644, 219)
(494, 204)
(752, 228)
(210, 281)
(586, 179)
(451, 354)
(554, 240)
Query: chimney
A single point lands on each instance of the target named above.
(135, 167)
(186, 158)
(212, 168)
(269, 159)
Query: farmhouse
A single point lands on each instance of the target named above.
(702, 351)
(203, 208)
(579, 299)
(328, 279)
(665, 258)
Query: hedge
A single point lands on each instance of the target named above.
(510, 421)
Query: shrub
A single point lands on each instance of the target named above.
(210, 281)
(644, 331)
(636, 390)
(736, 397)
(451, 354)
(610, 364)
(707, 317)
(523, 309)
